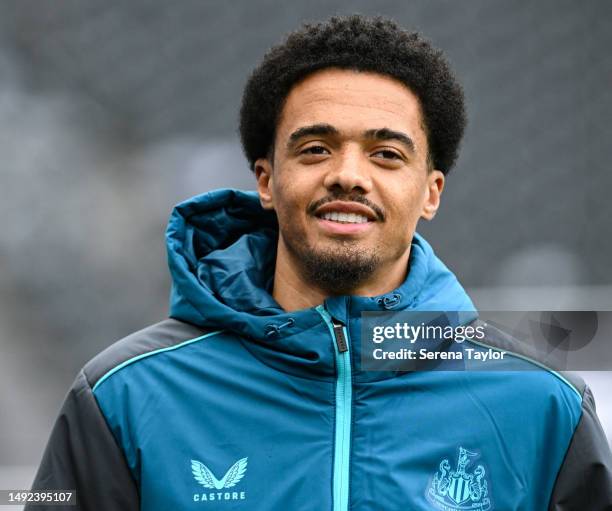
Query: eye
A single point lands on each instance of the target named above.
(315, 149)
(387, 154)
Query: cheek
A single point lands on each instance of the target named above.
(292, 197)
(289, 209)
(287, 203)
(404, 209)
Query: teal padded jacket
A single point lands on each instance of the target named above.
(235, 404)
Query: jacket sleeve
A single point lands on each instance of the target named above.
(82, 455)
(584, 482)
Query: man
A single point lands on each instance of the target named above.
(252, 396)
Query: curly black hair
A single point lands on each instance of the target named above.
(360, 43)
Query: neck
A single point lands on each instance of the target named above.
(293, 292)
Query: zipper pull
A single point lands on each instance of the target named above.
(339, 335)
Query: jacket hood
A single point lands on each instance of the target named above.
(221, 253)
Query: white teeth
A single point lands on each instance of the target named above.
(350, 218)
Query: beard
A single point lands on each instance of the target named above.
(334, 270)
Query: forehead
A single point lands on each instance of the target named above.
(352, 101)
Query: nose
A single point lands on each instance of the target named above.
(349, 171)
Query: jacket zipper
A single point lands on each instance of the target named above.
(342, 439)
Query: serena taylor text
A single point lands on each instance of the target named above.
(425, 354)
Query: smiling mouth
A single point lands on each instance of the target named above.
(345, 218)
(336, 223)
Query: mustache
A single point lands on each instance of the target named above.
(379, 212)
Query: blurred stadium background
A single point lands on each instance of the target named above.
(111, 112)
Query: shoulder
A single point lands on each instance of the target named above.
(165, 335)
(529, 364)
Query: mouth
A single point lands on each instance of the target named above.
(346, 218)
(346, 212)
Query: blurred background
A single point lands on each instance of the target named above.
(111, 112)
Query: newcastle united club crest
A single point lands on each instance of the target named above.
(460, 489)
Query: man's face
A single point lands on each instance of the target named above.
(349, 177)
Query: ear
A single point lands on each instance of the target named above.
(435, 185)
(263, 173)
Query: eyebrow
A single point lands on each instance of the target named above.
(373, 134)
(388, 134)
(314, 129)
